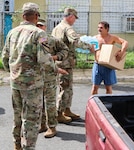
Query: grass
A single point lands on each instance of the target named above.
(85, 61)
(1, 65)
(129, 63)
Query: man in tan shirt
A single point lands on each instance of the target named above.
(65, 32)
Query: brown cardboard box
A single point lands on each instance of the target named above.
(108, 59)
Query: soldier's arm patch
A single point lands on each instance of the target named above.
(42, 40)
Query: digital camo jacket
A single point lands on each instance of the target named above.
(67, 34)
(24, 56)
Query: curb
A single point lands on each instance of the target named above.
(5, 81)
(81, 76)
(86, 80)
(78, 80)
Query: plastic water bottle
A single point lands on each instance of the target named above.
(90, 40)
(94, 41)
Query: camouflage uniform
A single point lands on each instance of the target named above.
(25, 57)
(66, 33)
(58, 48)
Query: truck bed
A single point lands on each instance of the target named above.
(113, 119)
(122, 109)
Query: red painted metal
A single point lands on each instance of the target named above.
(97, 124)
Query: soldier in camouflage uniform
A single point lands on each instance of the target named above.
(59, 51)
(25, 58)
(65, 32)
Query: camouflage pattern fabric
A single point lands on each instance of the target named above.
(50, 103)
(67, 34)
(66, 85)
(55, 47)
(30, 103)
(26, 58)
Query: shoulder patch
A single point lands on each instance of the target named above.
(43, 40)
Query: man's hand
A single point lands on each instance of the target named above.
(92, 49)
(119, 55)
(62, 71)
(55, 57)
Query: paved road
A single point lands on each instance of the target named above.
(69, 137)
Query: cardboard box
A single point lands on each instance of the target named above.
(107, 57)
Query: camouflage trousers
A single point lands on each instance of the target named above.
(27, 108)
(66, 90)
(49, 112)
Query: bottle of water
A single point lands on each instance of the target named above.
(90, 40)
(94, 41)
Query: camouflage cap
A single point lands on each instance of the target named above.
(41, 22)
(70, 11)
(30, 8)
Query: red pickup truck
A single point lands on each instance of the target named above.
(109, 122)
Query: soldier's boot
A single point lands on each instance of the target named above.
(68, 113)
(17, 147)
(51, 132)
(61, 118)
(43, 128)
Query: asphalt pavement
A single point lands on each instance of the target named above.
(69, 137)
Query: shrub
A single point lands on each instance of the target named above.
(85, 61)
(1, 65)
(129, 63)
